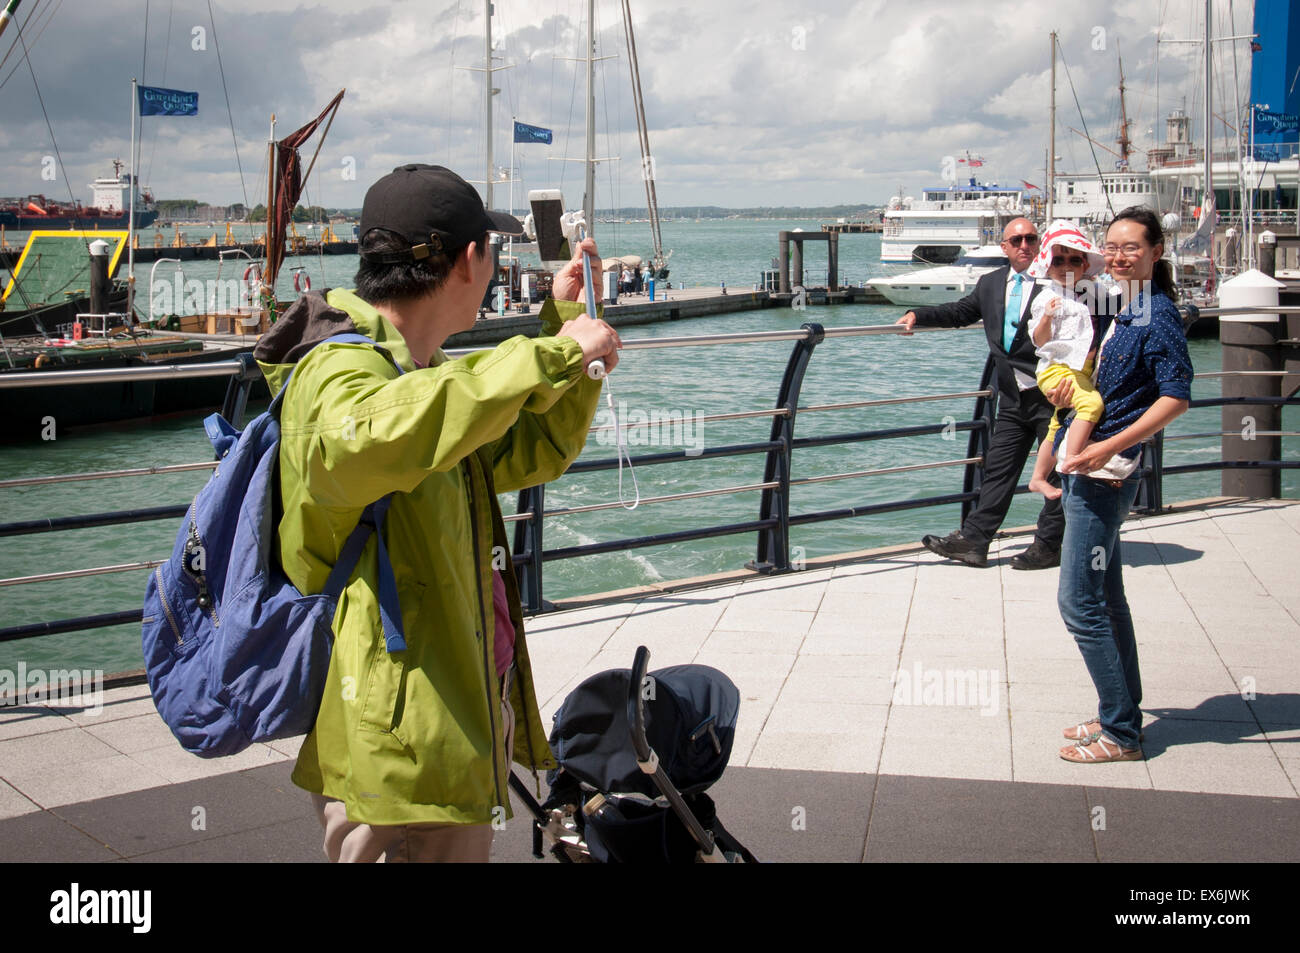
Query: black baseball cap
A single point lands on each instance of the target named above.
(432, 208)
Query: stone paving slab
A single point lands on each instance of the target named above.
(894, 672)
(257, 816)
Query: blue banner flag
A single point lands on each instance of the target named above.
(156, 101)
(527, 133)
(1266, 154)
(1269, 123)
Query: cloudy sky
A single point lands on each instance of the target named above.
(763, 102)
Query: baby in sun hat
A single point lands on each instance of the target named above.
(1063, 330)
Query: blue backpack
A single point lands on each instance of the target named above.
(234, 653)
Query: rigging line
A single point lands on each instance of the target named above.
(48, 125)
(153, 150)
(451, 79)
(512, 94)
(1087, 134)
(550, 90)
(35, 38)
(213, 23)
(320, 237)
(144, 52)
(573, 96)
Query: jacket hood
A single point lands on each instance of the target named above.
(315, 317)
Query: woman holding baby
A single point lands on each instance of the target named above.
(1143, 376)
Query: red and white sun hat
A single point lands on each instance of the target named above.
(1063, 234)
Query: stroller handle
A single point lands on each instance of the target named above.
(649, 761)
(636, 702)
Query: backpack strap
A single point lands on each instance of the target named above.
(372, 521)
(346, 337)
(390, 608)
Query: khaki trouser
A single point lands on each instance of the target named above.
(348, 842)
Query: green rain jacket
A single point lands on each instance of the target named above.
(417, 736)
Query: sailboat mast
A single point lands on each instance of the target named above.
(130, 217)
(589, 185)
(1125, 144)
(647, 161)
(1051, 140)
(8, 14)
(487, 102)
(1208, 197)
(268, 277)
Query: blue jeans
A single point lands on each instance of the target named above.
(1091, 598)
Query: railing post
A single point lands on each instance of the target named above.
(774, 542)
(528, 542)
(236, 402)
(986, 409)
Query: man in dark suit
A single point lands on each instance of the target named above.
(1001, 300)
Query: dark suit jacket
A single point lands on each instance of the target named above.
(987, 303)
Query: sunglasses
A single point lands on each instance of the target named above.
(1075, 260)
(1015, 241)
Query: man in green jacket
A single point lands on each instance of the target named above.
(410, 754)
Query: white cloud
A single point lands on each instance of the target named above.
(749, 103)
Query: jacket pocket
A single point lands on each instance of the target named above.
(385, 691)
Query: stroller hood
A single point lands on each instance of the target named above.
(691, 715)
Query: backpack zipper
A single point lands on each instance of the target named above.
(167, 609)
(487, 667)
(192, 544)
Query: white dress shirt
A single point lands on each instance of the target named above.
(1023, 380)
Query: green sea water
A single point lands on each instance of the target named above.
(679, 384)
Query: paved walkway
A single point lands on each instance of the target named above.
(894, 707)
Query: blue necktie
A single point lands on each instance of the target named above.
(1012, 318)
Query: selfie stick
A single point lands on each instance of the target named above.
(596, 369)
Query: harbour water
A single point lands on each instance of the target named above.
(677, 384)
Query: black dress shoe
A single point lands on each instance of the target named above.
(958, 547)
(1037, 556)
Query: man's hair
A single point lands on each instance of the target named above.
(378, 283)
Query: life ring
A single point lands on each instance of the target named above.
(301, 282)
(253, 273)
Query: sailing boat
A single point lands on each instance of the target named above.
(659, 257)
(86, 400)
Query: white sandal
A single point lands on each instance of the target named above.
(1099, 751)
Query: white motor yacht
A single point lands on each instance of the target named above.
(944, 283)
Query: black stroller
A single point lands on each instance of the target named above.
(643, 802)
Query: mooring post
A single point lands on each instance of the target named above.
(1268, 254)
(783, 263)
(833, 259)
(1250, 343)
(99, 278)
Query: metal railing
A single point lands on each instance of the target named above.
(772, 521)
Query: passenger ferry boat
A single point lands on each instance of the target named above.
(948, 221)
